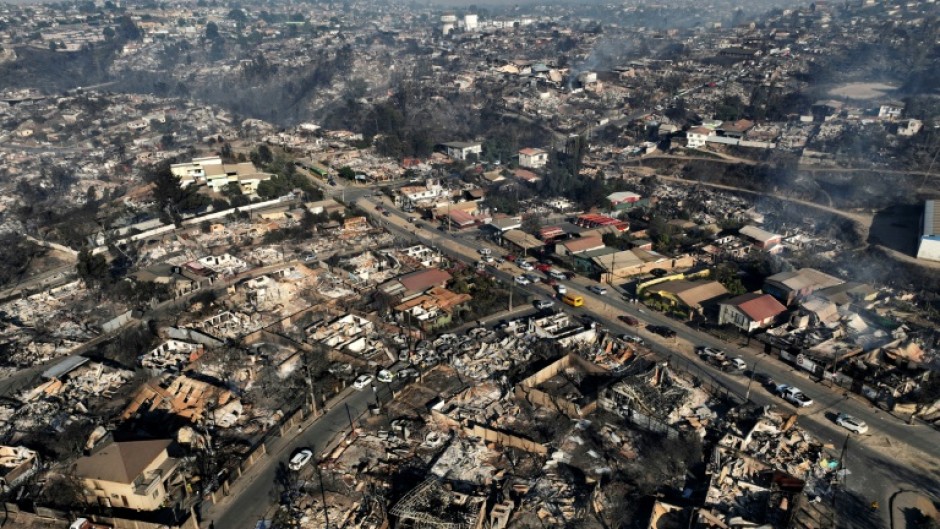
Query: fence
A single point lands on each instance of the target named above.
(16, 516)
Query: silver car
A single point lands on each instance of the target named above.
(851, 423)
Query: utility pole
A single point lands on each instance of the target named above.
(511, 289)
(326, 516)
(747, 394)
(349, 416)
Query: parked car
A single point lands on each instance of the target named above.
(525, 265)
(408, 372)
(542, 267)
(764, 379)
(362, 381)
(629, 320)
(600, 291)
(485, 251)
(523, 280)
(299, 459)
(736, 364)
(561, 289)
(511, 258)
(543, 304)
(665, 332)
(385, 376)
(711, 353)
(794, 396)
(851, 423)
(632, 338)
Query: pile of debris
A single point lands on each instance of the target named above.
(654, 390)
(435, 504)
(481, 353)
(761, 466)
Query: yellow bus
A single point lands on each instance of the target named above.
(573, 299)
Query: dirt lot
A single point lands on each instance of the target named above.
(862, 90)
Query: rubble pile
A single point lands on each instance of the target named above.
(44, 327)
(659, 392)
(171, 355)
(755, 468)
(435, 504)
(481, 353)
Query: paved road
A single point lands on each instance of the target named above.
(257, 490)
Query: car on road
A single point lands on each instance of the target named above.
(523, 280)
(735, 365)
(408, 372)
(299, 459)
(851, 423)
(600, 291)
(711, 353)
(385, 376)
(632, 338)
(485, 251)
(386, 213)
(661, 330)
(764, 379)
(543, 304)
(629, 320)
(794, 396)
(362, 381)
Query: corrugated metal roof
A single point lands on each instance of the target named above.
(64, 367)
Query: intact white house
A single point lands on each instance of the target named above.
(695, 137)
(460, 150)
(533, 158)
(211, 172)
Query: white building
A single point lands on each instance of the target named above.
(929, 247)
(890, 110)
(696, 137)
(216, 175)
(533, 158)
(910, 127)
(448, 23)
(471, 22)
(460, 150)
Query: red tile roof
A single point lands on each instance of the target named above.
(583, 244)
(424, 279)
(758, 307)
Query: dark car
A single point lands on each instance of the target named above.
(665, 332)
(764, 379)
(629, 320)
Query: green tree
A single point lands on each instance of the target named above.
(92, 268)
(728, 276)
(212, 31)
(347, 172)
